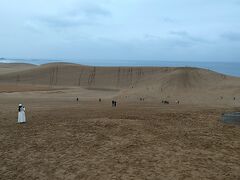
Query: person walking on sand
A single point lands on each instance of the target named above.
(21, 114)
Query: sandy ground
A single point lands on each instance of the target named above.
(63, 139)
(6, 68)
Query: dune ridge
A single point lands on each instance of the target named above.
(187, 84)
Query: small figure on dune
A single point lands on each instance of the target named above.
(234, 98)
(114, 103)
(21, 114)
(165, 102)
(177, 102)
(77, 99)
(141, 99)
(100, 100)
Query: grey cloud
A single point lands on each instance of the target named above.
(170, 41)
(186, 36)
(168, 20)
(89, 10)
(94, 10)
(151, 37)
(70, 29)
(231, 36)
(180, 33)
(64, 22)
(86, 15)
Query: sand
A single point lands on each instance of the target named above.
(188, 85)
(66, 139)
(6, 68)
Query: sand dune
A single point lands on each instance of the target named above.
(60, 74)
(6, 68)
(63, 74)
(86, 139)
(189, 85)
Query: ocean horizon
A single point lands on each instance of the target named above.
(228, 68)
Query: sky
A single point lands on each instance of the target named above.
(121, 30)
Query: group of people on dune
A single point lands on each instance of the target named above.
(22, 116)
(22, 109)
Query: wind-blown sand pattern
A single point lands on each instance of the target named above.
(65, 139)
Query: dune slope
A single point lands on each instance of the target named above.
(189, 85)
(6, 68)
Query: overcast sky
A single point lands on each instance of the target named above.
(107, 30)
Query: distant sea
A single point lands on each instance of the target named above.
(228, 68)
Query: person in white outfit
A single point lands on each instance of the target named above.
(21, 114)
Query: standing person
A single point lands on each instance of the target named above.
(21, 114)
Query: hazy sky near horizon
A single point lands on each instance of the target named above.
(108, 30)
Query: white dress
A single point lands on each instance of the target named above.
(21, 115)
